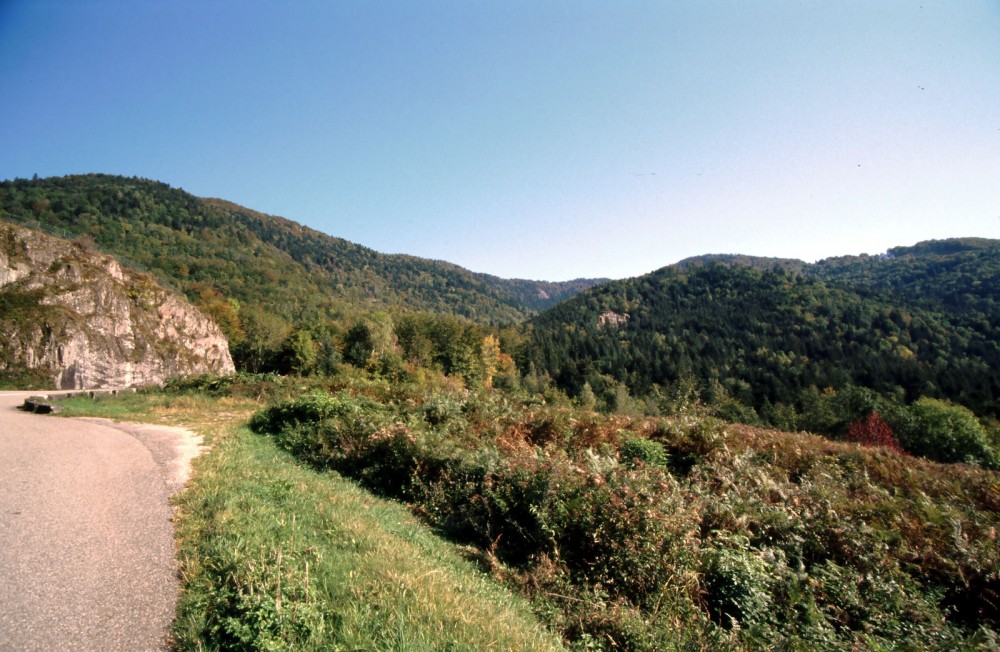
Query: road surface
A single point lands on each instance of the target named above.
(86, 541)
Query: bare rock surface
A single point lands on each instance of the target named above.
(87, 322)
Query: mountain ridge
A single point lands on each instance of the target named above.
(195, 243)
(918, 320)
(757, 333)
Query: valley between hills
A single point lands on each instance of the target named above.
(727, 453)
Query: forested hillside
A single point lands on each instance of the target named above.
(910, 335)
(596, 480)
(959, 276)
(261, 260)
(802, 350)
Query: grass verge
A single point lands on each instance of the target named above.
(205, 414)
(275, 555)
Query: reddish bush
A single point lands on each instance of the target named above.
(873, 431)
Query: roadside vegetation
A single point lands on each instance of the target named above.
(24, 379)
(636, 533)
(633, 465)
(677, 532)
(275, 555)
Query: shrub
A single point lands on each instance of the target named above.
(441, 408)
(549, 427)
(736, 583)
(634, 449)
(688, 442)
(946, 432)
(873, 431)
(323, 429)
(630, 534)
(25, 379)
(311, 408)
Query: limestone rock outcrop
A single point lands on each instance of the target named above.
(81, 319)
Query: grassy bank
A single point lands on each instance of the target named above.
(275, 555)
(624, 533)
(678, 533)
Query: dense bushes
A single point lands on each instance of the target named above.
(945, 432)
(653, 533)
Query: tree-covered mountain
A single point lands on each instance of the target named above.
(960, 276)
(212, 245)
(763, 263)
(778, 341)
(776, 338)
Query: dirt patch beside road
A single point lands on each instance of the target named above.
(173, 448)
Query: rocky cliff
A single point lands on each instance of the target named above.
(77, 317)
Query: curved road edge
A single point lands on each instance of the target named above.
(86, 538)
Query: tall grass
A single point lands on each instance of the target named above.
(625, 534)
(276, 556)
(653, 534)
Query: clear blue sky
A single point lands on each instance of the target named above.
(530, 139)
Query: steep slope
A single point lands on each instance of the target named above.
(261, 260)
(79, 319)
(766, 336)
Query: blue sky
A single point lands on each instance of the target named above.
(548, 140)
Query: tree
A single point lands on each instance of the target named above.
(358, 347)
(369, 340)
(491, 358)
(946, 432)
(587, 399)
(264, 333)
(873, 431)
(299, 353)
(224, 312)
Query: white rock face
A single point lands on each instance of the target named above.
(89, 323)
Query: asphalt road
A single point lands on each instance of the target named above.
(86, 541)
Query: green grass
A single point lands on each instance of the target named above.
(127, 405)
(202, 413)
(25, 379)
(352, 571)
(626, 534)
(275, 555)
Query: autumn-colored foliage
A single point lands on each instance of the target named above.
(873, 431)
(628, 532)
